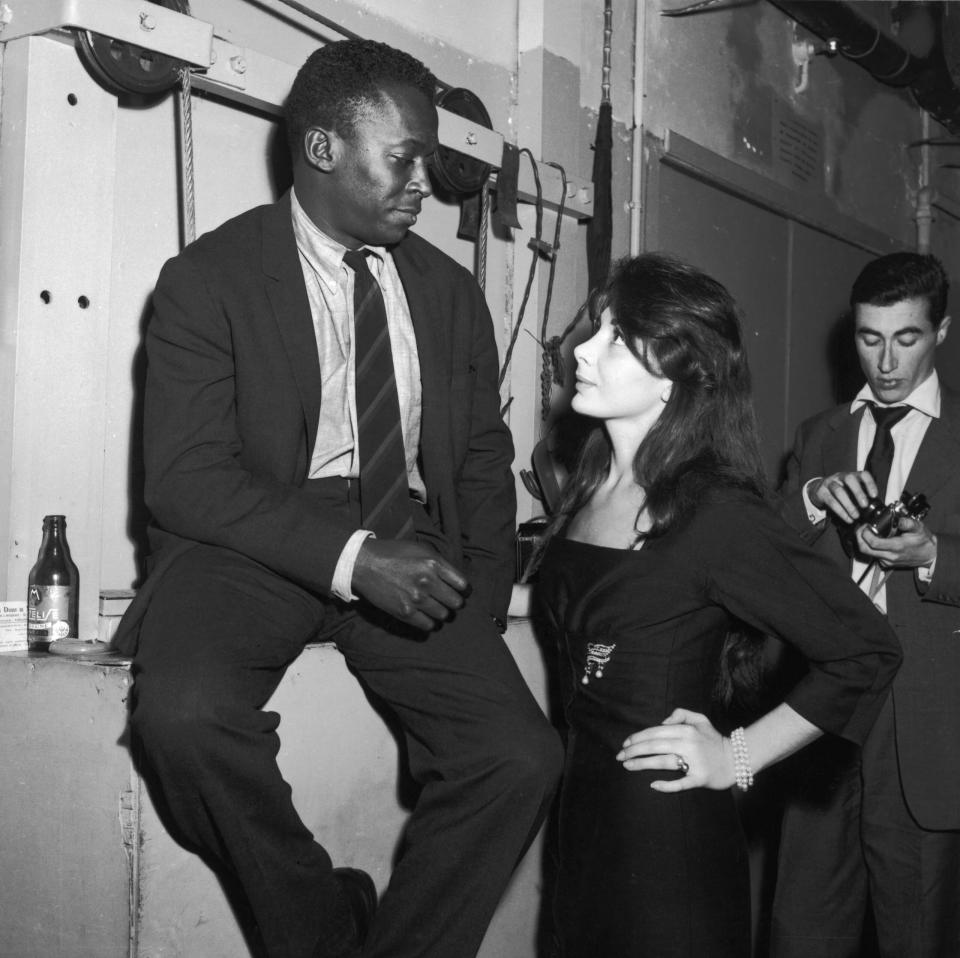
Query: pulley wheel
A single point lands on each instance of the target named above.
(122, 67)
(455, 172)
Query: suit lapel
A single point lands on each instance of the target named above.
(939, 450)
(840, 444)
(291, 309)
(434, 368)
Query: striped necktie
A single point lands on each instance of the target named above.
(384, 485)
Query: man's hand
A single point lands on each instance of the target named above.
(914, 545)
(844, 494)
(409, 581)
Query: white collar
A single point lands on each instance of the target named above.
(925, 398)
(322, 252)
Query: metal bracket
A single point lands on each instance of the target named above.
(487, 146)
(246, 76)
(144, 24)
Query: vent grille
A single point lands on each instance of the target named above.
(797, 149)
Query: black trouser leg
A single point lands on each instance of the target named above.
(821, 894)
(914, 873)
(215, 642)
(488, 763)
(849, 843)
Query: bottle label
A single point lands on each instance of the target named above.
(48, 613)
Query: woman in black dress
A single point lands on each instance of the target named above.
(663, 558)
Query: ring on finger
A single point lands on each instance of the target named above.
(682, 765)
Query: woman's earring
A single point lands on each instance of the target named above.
(665, 395)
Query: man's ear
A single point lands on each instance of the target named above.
(942, 329)
(320, 149)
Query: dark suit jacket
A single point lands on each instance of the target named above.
(926, 691)
(232, 405)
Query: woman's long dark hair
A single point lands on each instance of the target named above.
(683, 325)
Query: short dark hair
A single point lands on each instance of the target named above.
(339, 79)
(895, 277)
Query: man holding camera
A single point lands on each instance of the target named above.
(876, 831)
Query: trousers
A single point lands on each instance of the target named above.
(850, 850)
(215, 641)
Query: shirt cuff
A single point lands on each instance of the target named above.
(814, 514)
(925, 572)
(342, 585)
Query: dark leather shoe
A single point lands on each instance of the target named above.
(361, 895)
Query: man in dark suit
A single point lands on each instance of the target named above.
(278, 520)
(877, 832)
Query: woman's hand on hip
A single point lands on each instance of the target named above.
(685, 741)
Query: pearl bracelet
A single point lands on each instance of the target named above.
(741, 760)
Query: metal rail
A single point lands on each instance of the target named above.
(250, 78)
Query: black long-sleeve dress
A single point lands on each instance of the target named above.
(651, 875)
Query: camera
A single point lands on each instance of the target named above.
(884, 520)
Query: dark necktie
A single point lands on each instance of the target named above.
(384, 486)
(880, 457)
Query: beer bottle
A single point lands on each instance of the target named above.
(54, 587)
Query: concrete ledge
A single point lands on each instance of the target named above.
(88, 870)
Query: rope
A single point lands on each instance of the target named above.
(552, 368)
(607, 38)
(185, 126)
(482, 239)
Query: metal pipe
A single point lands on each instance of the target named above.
(306, 11)
(311, 14)
(862, 41)
(924, 205)
(639, 93)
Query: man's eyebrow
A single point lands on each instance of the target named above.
(904, 330)
(414, 141)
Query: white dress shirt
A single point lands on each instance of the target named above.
(329, 283)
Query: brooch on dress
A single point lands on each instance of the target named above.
(598, 655)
